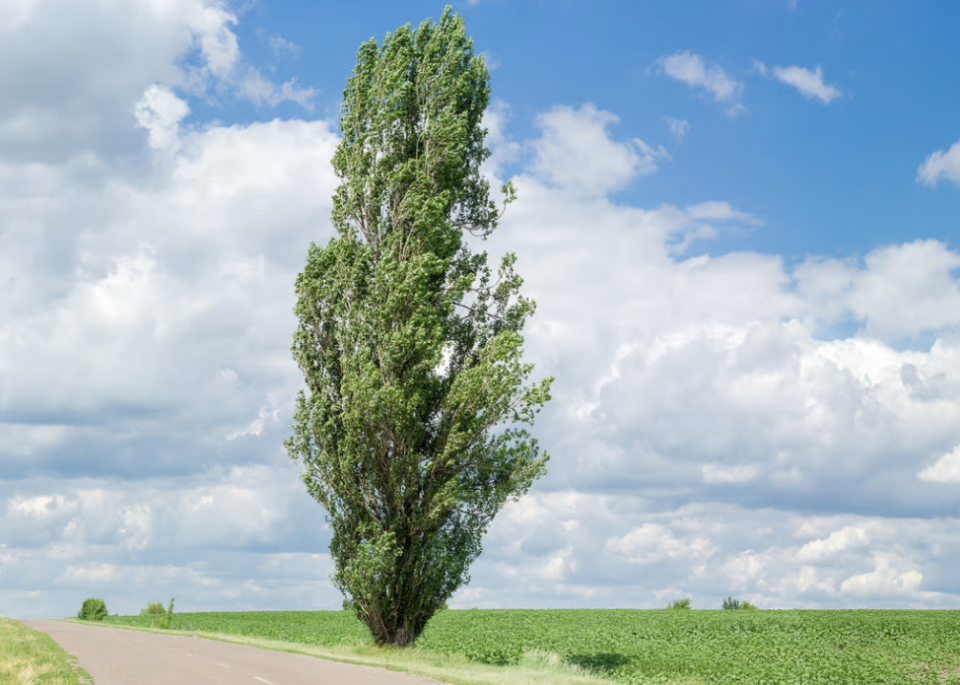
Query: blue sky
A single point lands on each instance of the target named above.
(738, 220)
(801, 167)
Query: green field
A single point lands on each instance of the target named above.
(27, 656)
(631, 646)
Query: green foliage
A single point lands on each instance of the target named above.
(645, 647)
(93, 609)
(158, 615)
(731, 603)
(412, 431)
(680, 604)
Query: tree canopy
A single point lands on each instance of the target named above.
(412, 430)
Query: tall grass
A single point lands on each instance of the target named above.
(28, 656)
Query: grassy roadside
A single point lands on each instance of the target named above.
(28, 656)
(535, 668)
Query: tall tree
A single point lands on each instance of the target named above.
(412, 431)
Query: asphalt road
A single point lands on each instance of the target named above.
(114, 656)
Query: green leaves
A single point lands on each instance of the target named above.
(731, 603)
(159, 616)
(93, 609)
(411, 430)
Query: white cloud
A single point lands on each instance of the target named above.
(43, 507)
(160, 112)
(679, 128)
(577, 154)
(705, 551)
(945, 470)
(941, 165)
(901, 290)
(690, 69)
(22, 440)
(86, 101)
(809, 83)
(260, 91)
(718, 473)
(837, 541)
(136, 527)
(93, 573)
(887, 578)
(652, 542)
(147, 382)
(746, 568)
(211, 24)
(280, 46)
(908, 288)
(209, 265)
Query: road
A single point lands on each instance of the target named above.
(114, 656)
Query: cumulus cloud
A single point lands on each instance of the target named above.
(808, 83)
(837, 541)
(941, 165)
(160, 112)
(711, 80)
(705, 426)
(945, 470)
(51, 506)
(888, 577)
(577, 154)
(900, 290)
(706, 551)
(87, 99)
(652, 542)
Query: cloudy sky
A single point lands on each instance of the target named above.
(738, 219)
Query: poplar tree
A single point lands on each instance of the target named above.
(412, 430)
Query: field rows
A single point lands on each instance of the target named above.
(630, 646)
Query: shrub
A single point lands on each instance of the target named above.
(680, 604)
(159, 617)
(731, 603)
(93, 609)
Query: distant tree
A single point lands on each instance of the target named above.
(159, 616)
(411, 432)
(731, 603)
(680, 604)
(93, 609)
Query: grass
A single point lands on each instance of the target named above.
(28, 656)
(626, 646)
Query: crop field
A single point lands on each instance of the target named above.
(633, 646)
